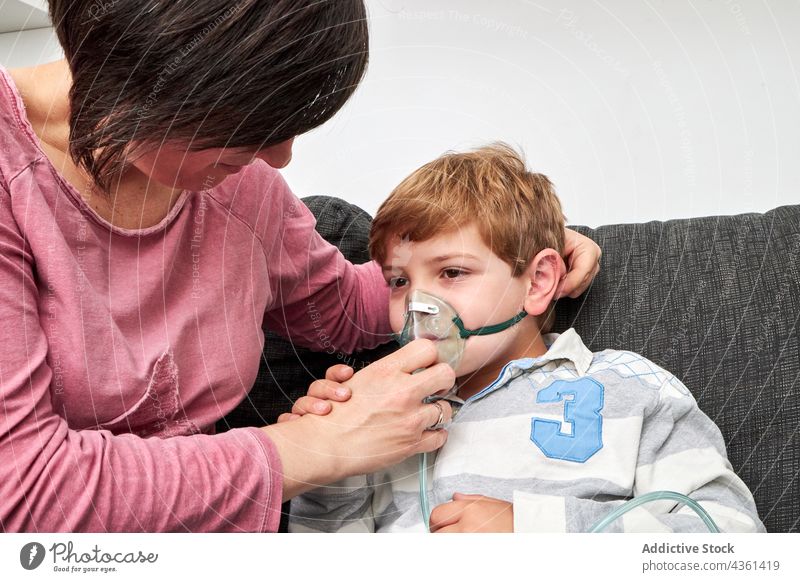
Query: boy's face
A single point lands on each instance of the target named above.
(458, 267)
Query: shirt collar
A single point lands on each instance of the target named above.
(566, 346)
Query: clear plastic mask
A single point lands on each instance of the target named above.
(431, 317)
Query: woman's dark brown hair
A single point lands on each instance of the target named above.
(212, 73)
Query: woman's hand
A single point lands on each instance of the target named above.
(582, 256)
(320, 392)
(384, 422)
(471, 514)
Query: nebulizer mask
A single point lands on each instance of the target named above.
(430, 317)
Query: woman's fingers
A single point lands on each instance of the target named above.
(321, 391)
(287, 416)
(583, 259)
(311, 405)
(431, 440)
(385, 419)
(415, 366)
(420, 353)
(339, 373)
(328, 390)
(438, 378)
(436, 414)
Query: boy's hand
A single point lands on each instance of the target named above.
(582, 256)
(473, 513)
(320, 391)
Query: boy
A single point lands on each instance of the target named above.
(546, 435)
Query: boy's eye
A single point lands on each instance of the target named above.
(397, 282)
(452, 273)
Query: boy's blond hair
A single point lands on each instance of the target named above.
(517, 212)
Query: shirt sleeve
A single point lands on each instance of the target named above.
(53, 478)
(345, 506)
(320, 299)
(680, 450)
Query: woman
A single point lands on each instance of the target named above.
(145, 240)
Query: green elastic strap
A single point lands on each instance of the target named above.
(489, 329)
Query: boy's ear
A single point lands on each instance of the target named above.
(545, 273)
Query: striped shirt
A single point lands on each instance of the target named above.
(566, 437)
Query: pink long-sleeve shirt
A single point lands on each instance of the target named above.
(120, 349)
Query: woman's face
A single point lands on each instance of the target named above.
(176, 166)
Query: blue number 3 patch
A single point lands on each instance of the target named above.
(582, 412)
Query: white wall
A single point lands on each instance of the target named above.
(637, 110)
(25, 36)
(29, 47)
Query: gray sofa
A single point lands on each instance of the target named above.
(714, 300)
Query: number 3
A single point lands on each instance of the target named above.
(582, 412)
